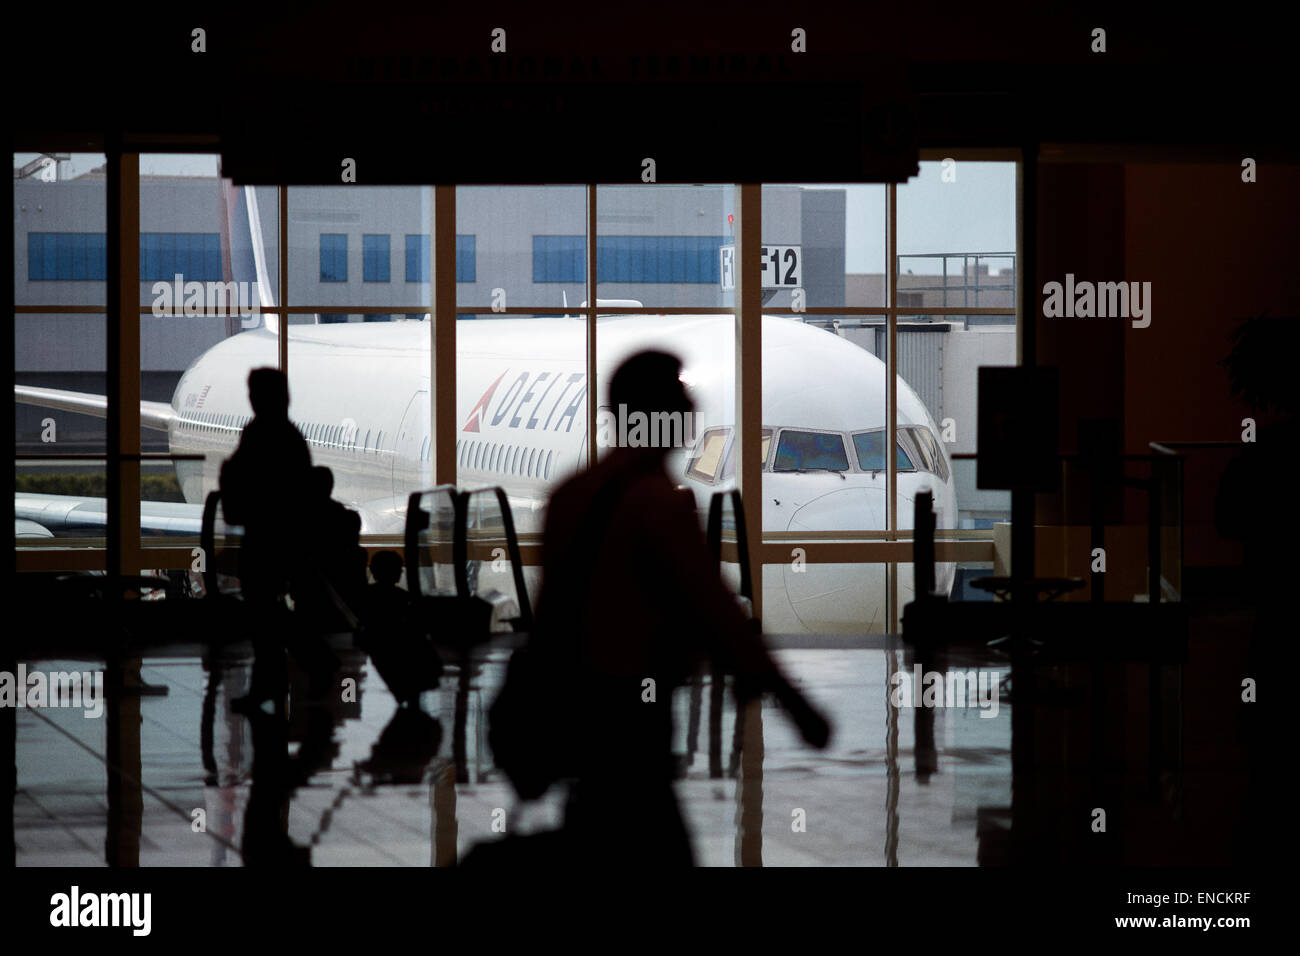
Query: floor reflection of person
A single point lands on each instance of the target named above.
(632, 602)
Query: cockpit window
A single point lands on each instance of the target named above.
(729, 467)
(936, 453)
(870, 447)
(708, 454)
(810, 451)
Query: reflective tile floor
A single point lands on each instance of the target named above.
(186, 797)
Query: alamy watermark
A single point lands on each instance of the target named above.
(1100, 300)
(55, 689)
(954, 688)
(639, 430)
(194, 298)
(74, 909)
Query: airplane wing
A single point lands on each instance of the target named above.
(66, 515)
(157, 415)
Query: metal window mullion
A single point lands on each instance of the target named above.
(282, 320)
(891, 398)
(749, 374)
(122, 465)
(442, 333)
(590, 318)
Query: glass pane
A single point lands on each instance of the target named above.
(957, 238)
(520, 246)
(60, 248)
(59, 382)
(360, 246)
(831, 238)
(208, 263)
(663, 246)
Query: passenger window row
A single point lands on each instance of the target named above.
(315, 433)
(201, 422)
(504, 459)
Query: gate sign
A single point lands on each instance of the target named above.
(781, 267)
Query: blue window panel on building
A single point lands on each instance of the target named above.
(212, 255)
(559, 259)
(466, 252)
(96, 256)
(333, 257)
(195, 256)
(83, 256)
(66, 256)
(647, 259)
(375, 259)
(417, 258)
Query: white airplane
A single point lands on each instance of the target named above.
(360, 395)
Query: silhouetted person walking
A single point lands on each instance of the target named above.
(263, 488)
(632, 602)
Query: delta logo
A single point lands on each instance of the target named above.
(549, 401)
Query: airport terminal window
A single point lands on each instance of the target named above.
(809, 451)
(375, 265)
(658, 259)
(74, 256)
(82, 256)
(195, 256)
(870, 448)
(417, 258)
(333, 257)
(708, 454)
(559, 258)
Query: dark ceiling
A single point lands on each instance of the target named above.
(711, 91)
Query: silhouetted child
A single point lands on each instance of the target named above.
(396, 642)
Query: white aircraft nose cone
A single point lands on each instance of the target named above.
(852, 508)
(830, 598)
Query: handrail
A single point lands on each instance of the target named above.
(417, 520)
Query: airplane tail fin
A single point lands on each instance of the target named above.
(262, 275)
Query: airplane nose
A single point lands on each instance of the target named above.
(846, 509)
(839, 597)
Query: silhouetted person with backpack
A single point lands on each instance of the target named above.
(262, 488)
(330, 586)
(632, 602)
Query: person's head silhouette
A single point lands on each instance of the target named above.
(322, 482)
(644, 389)
(386, 566)
(268, 392)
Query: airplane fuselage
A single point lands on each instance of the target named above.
(360, 395)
